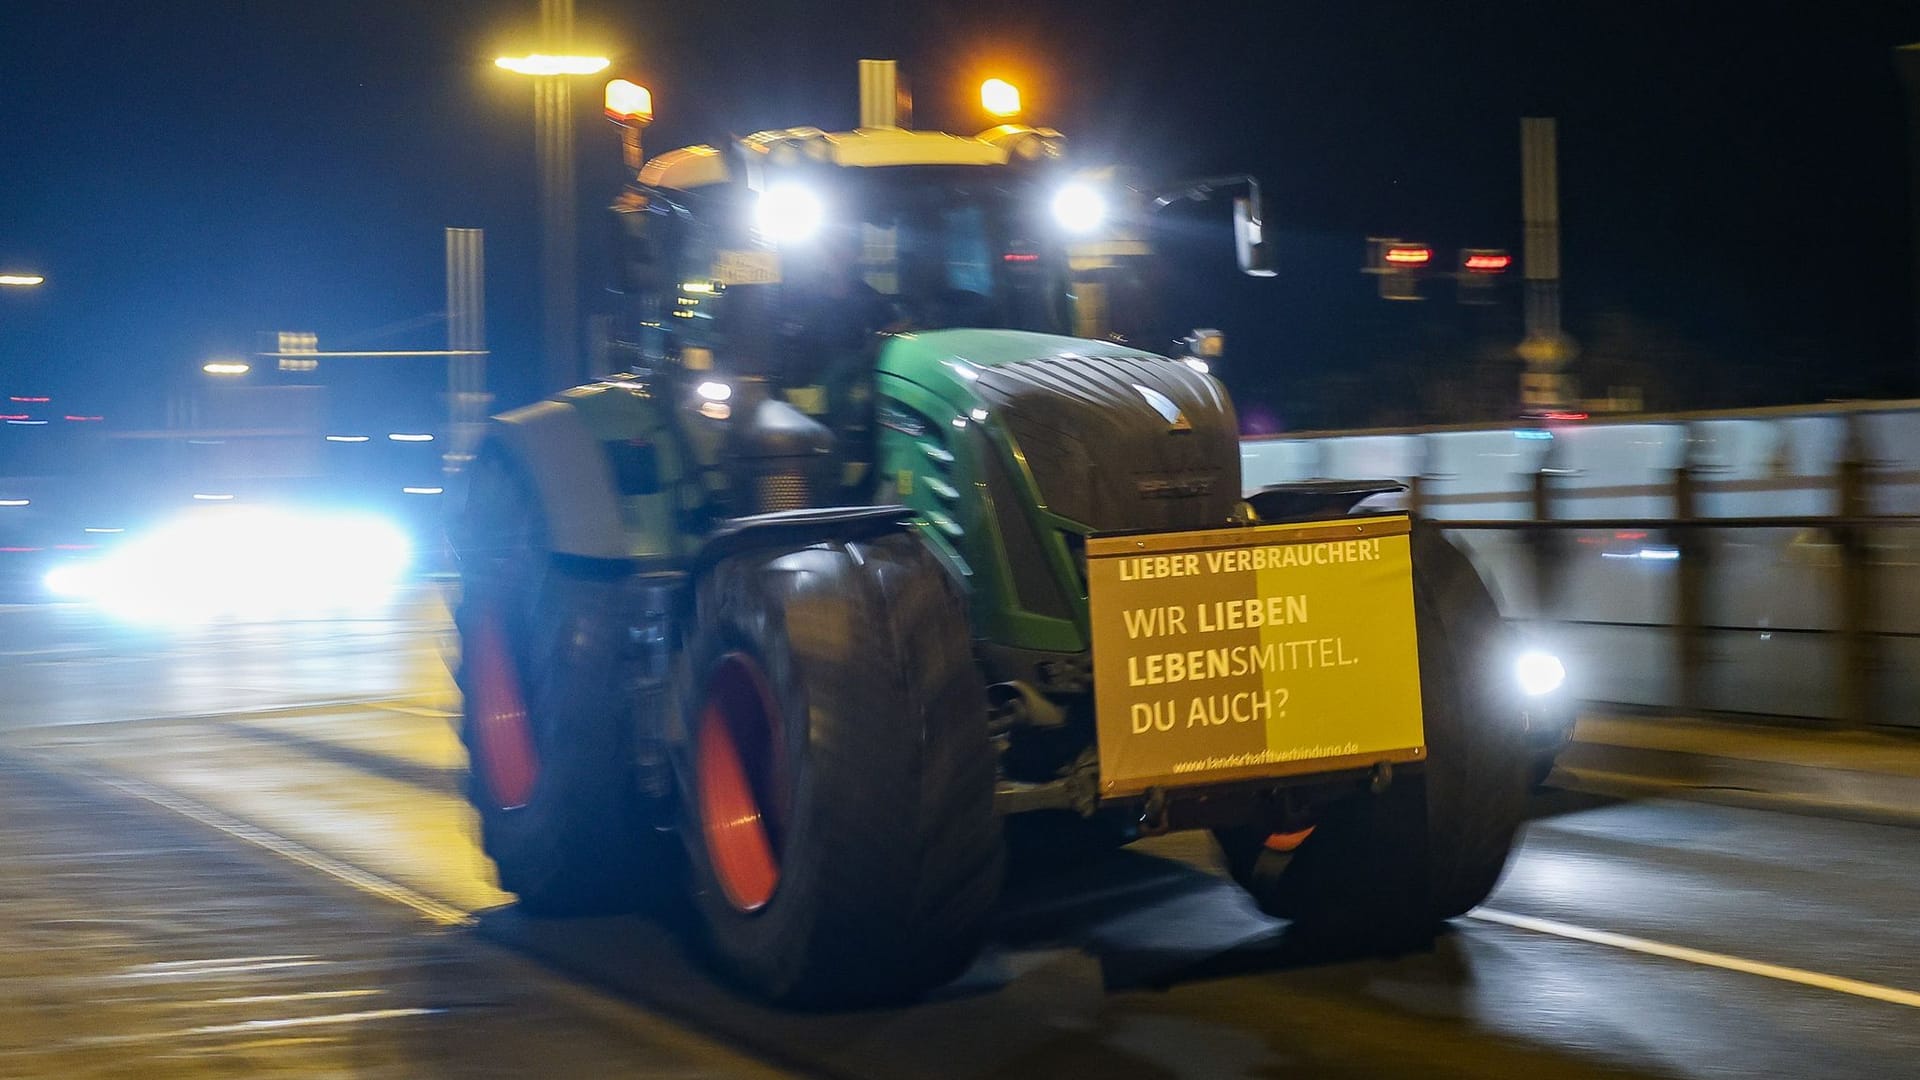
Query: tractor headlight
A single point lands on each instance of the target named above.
(1539, 673)
(1079, 208)
(789, 213)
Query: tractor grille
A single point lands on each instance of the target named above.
(1105, 454)
(780, 491)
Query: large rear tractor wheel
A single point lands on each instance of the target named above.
(1387, 870)
(546, 716)
(838, 777)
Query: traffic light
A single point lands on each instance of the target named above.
(1480, 270)
(1398, 265)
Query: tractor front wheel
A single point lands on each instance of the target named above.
(837, 773)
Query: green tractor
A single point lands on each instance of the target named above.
(886, 547)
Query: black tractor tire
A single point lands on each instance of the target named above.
(1388, 869)
(555, 791)
(833, 710)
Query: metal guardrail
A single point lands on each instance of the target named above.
(1694, 539)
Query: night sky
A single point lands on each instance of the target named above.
(188, 173)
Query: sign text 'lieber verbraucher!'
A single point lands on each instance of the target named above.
(1247, 648)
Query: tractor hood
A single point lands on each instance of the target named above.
(1111, 438)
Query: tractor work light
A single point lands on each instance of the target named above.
(788, 213)
(629, 103)
(1000, 97)
(1079, 208)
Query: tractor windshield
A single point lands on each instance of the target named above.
(952, 247)
(822, 260)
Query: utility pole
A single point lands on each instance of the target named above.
(467, 397)
(1544, 385)
(1907, 59)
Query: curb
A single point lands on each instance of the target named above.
(1637, 772)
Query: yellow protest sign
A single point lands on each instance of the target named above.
(1238, 654)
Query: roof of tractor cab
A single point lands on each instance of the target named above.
(702, 166)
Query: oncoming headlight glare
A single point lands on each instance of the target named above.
(788, 213)
(244, 563)
(1079, 208)
(1539, 672)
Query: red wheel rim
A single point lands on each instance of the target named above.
(508, 761)
(736, 757)
(1288, 841)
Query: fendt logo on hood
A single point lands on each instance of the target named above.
(1172, 487)
(1162, 404)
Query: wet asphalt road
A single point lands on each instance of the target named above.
(240, 852)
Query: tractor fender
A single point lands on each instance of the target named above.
(569, 469)
(802, 528)
(1307, 499)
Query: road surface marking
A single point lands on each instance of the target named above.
(371, 884)
(1815, 979)
(412, 710)
(276, 999)
(249, 1026)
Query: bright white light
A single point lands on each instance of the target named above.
(1079, 208)
(1196, 364)
(16, 502)
(25, 280)
(1539, 672)
(93, 529)
(401, 436)
(714, 391)
(788, 213)
(348, 438)
(72, 582)
(1660, 554)
(28, 423)
(979, 415)
(226, 367)
(543, 64)
(244, 563)
(210, 496)
(421, 490)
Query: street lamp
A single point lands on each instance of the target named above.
(551, 69)
(21, 281)
(542, 64)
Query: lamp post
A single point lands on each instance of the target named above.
(551, 68)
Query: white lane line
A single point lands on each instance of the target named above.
(251, 1026)
(278, 999)
(371, 884)
(325, 705)
(1855, 987)
(413, 710)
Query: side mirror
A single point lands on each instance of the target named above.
(1206, 344)
(1249, 236)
